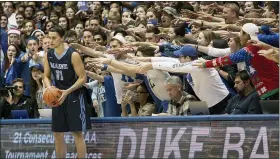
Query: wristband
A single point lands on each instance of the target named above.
(104, 67)
(204, 65)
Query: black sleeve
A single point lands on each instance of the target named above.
(34, 106)
(255, 106)
(5, 112)
(2, 101)
(229, 106)
(27, 105)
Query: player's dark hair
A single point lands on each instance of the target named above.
(58, 29)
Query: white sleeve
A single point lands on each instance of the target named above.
(164, 59)
(176, 67)
(218, 52)
(92, 84)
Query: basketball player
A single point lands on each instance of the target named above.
(65, 68)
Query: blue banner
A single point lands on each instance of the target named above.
(151, 137)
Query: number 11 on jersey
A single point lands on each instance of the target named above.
(59, 75)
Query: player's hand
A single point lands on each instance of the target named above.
(63, 96)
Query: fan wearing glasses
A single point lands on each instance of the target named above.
(140, 101)
(16, 100)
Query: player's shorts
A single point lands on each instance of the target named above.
(73, 115)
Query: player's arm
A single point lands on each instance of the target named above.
(80, 72)
(47, 72)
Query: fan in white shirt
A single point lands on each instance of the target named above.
(207, 84)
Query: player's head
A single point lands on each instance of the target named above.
(56, 34)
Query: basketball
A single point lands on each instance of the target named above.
(51, 96)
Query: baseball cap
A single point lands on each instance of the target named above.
(252, 30)
(186, 50)
(153, 21)
(38, 66)
(119, 38)
(58, 3)
(170, 11)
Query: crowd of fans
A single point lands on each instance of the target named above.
(146, 58)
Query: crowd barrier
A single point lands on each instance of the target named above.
(238, 136)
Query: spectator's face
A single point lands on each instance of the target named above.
(54, 17)
(94, 24)
(267, 14)
(141, 26)
(40, 15)
(32, 46)
(87, 26)
(142, 94)
(20, 20)
(140, 12)
(239, 85)
(49, 25)
(45, 4)
(14, 39)
(166, 20)
(46, 44)
(62, 22)
(113, 12)
(39, 36)
(169, 4)
(28, 27)
(33, 4)
(195, 29)
(112, 24)
(172, 90)
(243, 38)
(232, 44)
(151, 15)
(96, 7)
(125, 18)
(184, 59)
(21, 9)
(8, 8)
(115, 44)
(19, 91)
(203, 8)
(88, 37)
(98, 39)
(58, 8)
(201, 40)
(3, 22)
(11, 52)
(79, 29)
(249, 6)
(114, 5)
(70, 13)
(28, 13)
(55, 40)
(228, 14)
(171, 34)
(36, 74)
(195, 5)
(129, 39)
(150, 37)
